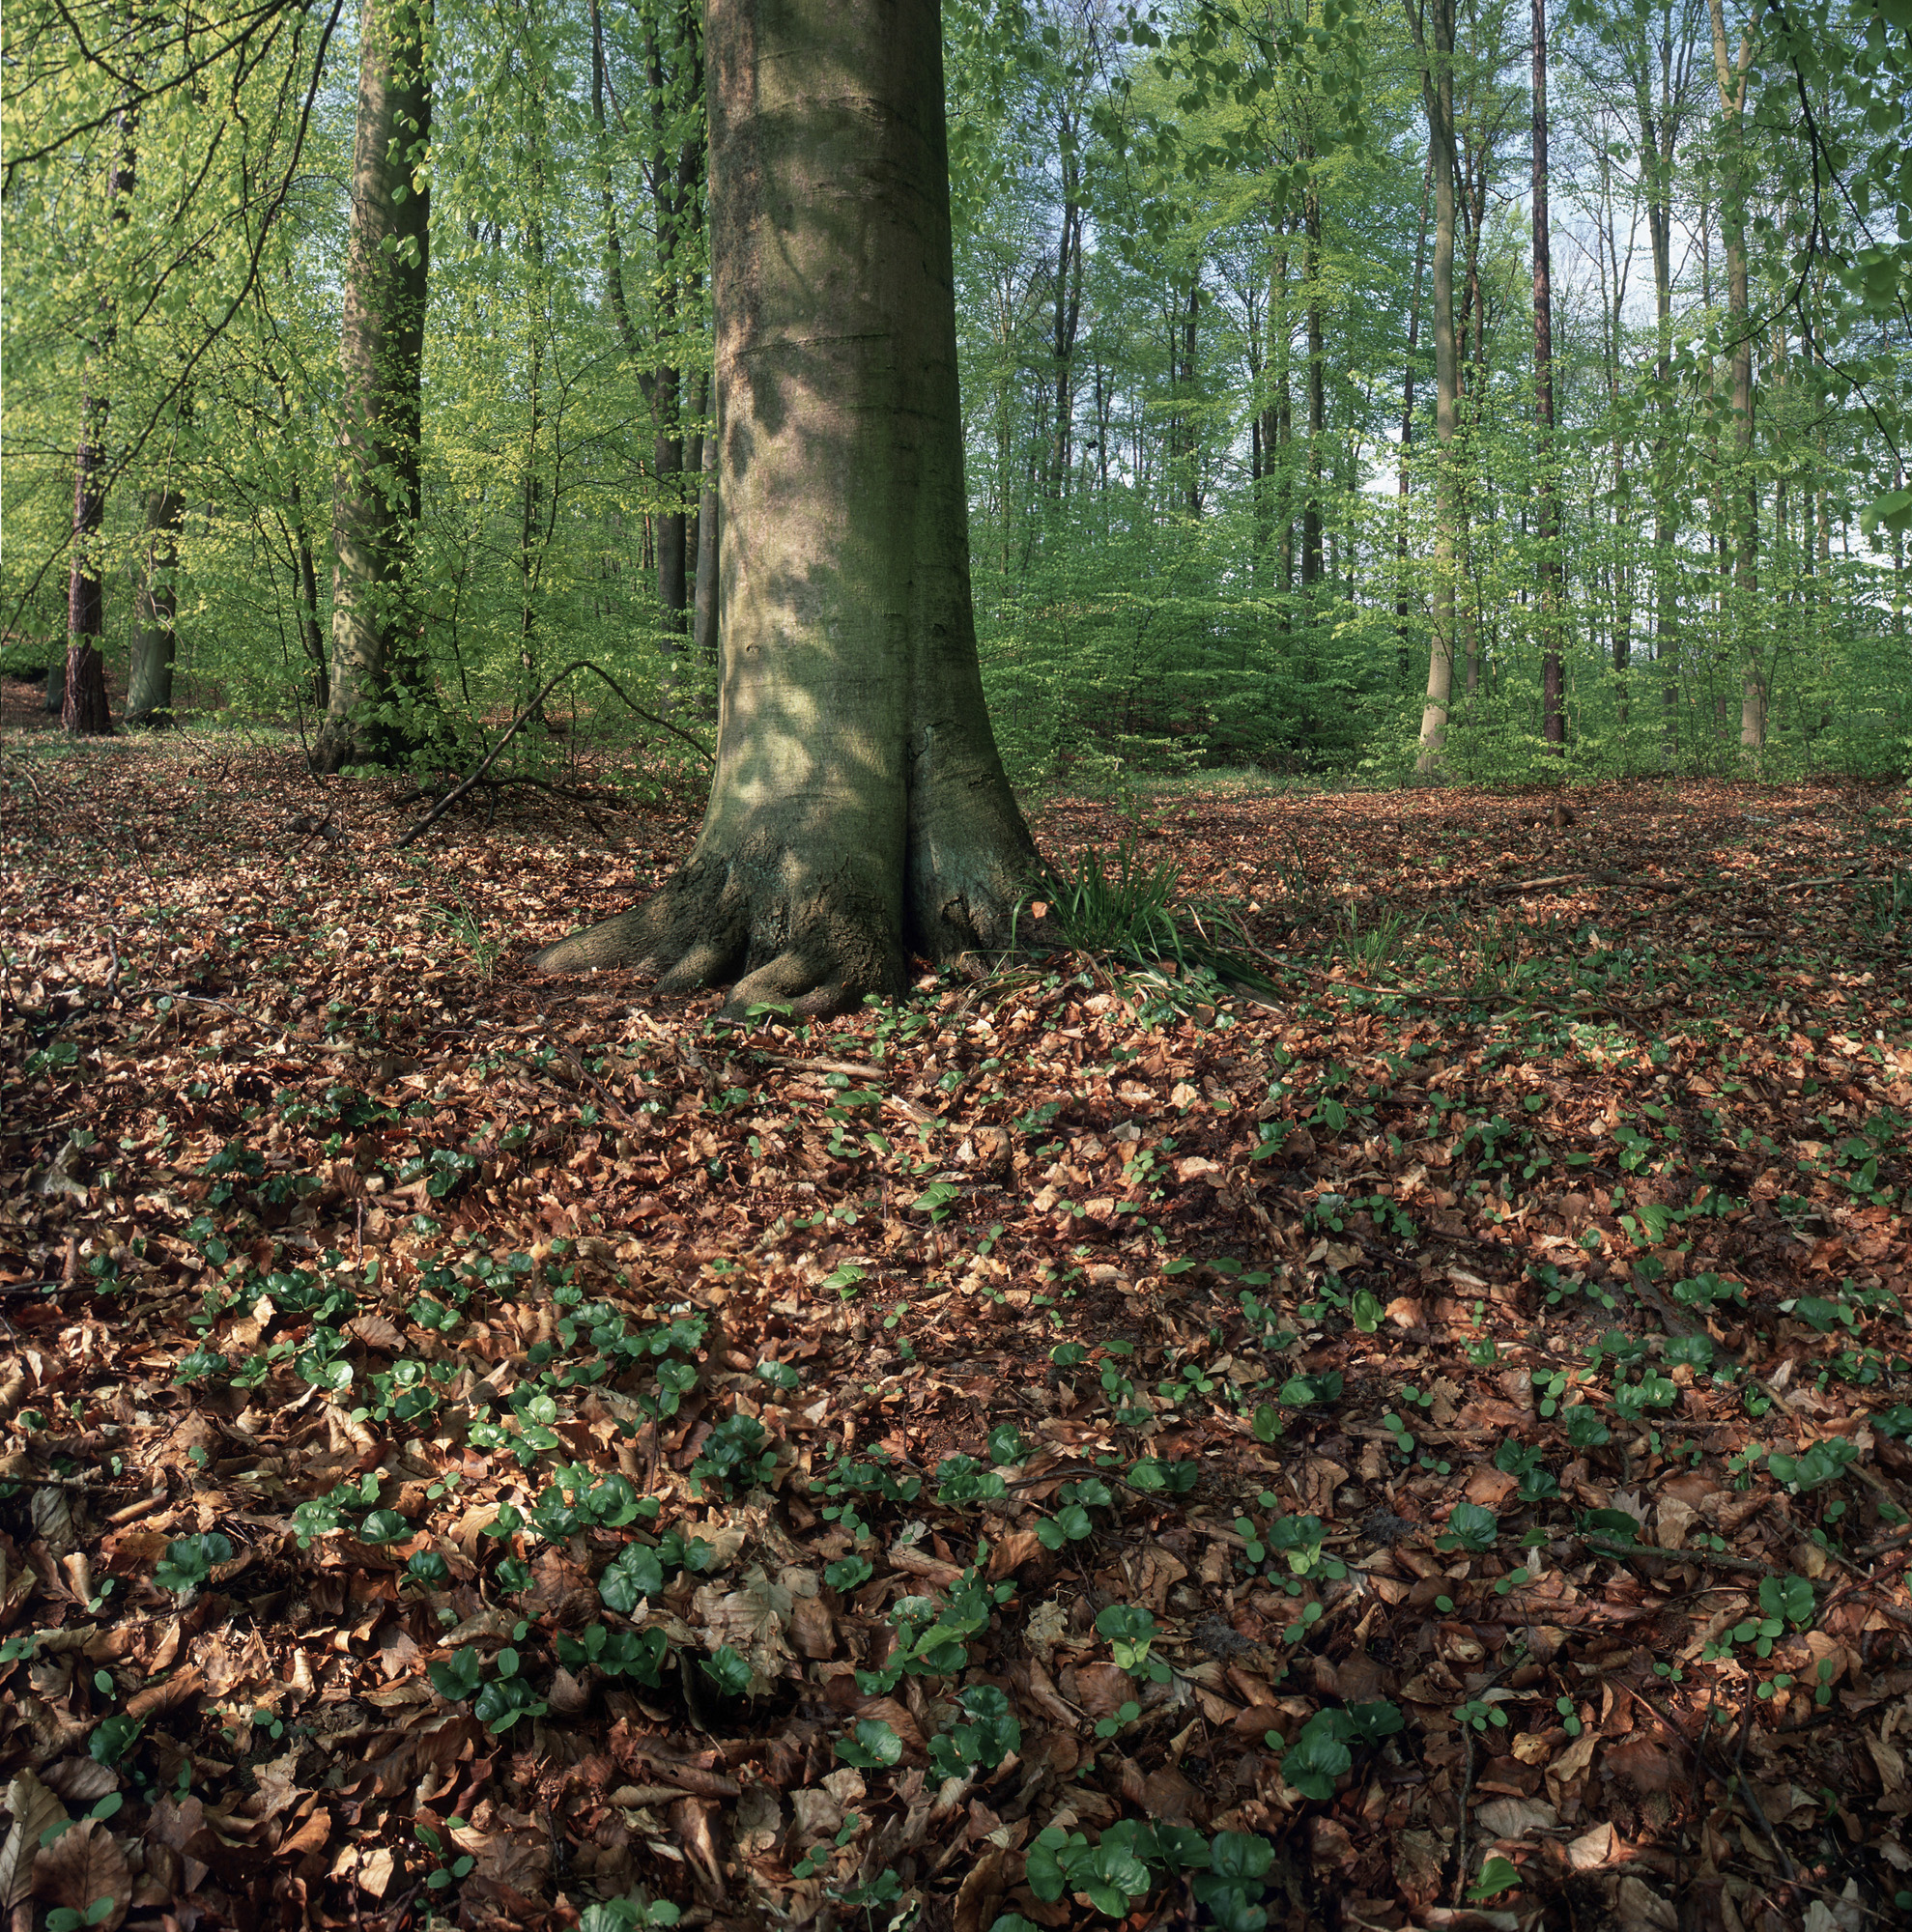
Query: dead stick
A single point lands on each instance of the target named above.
(519, 722)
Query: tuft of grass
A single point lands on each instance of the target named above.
(1372, 944)
(1120, 906)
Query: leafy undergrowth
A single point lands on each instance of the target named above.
(1428, 1448)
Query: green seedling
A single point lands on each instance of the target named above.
(980, 1745)
(736, 1455)
(1131, 1632)
(190, 1560)
(1469, 1528)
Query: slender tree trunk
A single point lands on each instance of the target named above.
(1744, 488)
(703, 613)
(1188, 439)
(379, 679)
(1660, 116)
(1311, 519)
(156, 607)
(84, 710)
(1401, 599)
(859, 811)
(1553, 704)
(1435, 44)
(530, 495)
(1068, 307)
(309, 633)
(83, 705)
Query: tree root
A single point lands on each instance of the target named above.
(777, 933)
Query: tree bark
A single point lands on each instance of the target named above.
(1660, 120)
(1434, 41)
(1553, 706)
(1743, 491)
(710, 514)
(378, 673)
(1067, 303)
(83, 707)
(156, 607)
(859, 811)
(1311, 510)
(1405, 481)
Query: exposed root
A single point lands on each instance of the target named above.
(776, 933)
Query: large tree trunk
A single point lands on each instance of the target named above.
(156, 607)
(1436, 46)
(859, 811)
(377, 671)
(1552, 705)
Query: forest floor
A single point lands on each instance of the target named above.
(1432, 1448)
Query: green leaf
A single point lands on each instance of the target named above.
(871, 1744)
(1788, 1597)
(1316, 1758)
(636, 1574)
(1497, 1876)
(1469, 1528)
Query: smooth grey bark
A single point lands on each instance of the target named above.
(377, 668)
(1553, 707)
(704, 616)
(858, 812)
(1433, 44)
(1743, 491)
(1661, 118)
(1311, 507)
(156, 610)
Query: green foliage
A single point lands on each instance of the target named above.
(1824, 1462)
(871, 1744)
(736, 1455)
(982, 1743)
(1470, 1526)
(190, 1560)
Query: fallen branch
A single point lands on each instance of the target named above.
(519, 722)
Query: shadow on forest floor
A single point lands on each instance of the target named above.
(1065, 1446)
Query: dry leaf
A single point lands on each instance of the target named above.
(1515, 1817)
(84, 1864)
(1593, 1849)
(35, 1810)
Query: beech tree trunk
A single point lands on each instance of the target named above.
(1311, 509)
(1552, 705)
(378, 677)
(858, 812)
(83, 707)
(1404, 480)
(156, 607)
(1743, 491)
(1433, 41)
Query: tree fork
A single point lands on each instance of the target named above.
(858, 812)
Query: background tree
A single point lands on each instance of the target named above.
(378, 679)
(1194, 271)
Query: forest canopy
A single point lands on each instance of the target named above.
(1292, 439)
